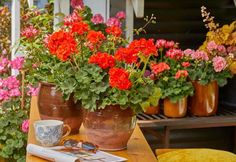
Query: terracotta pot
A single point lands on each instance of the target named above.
(205, 99)
(109, 128)
(175, 110)
(52, 106)
(152, 110)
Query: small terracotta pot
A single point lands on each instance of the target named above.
(152, 110)
(175, 110)
(52, 106)
(109, 128)
(204, 102)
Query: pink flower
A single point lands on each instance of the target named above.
(73, 18)
(211, 46)
(97, 19)
(219, 63)
(200, 55)
(181, 73)
(186, 64)
(3, 95)
(170, 44)
(77, 3)
(33, 91)
(120, 15)
(188, 52)
(175, 54)
(29, 32)
(160, 43)
(221, 49)
(14, 92)
(11, 82)
(17, 63)
(34, 65)
(25, 126)
(113, 22)
(231, 49)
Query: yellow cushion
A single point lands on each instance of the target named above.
(197, 155)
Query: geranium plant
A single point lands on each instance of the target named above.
(98, 66)
(169, 71)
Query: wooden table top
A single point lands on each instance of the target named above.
(137, 150)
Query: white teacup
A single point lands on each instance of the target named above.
(50, 132)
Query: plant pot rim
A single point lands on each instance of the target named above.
(47, 84)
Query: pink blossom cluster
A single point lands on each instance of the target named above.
(175, 54)
(213, 47)
(219, 63)
(29, 32)
(97, 19)
(16, 64)
(9, 87)
(199, 55)
(77, 3)
(188, 52)
(32, 91)
(72, 18)
(162, 43)
(116, 21)
(25, 126)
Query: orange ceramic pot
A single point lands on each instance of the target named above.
(205, 99)
(109, 128)
(152, 110)
(175, 110)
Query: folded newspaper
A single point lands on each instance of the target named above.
(57, 154)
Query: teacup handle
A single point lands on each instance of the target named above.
(68, 130)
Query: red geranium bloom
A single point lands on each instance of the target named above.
(127, 55)
(103, 60)
(95, 36)
(61, 44)
(119, 78)
(159, 68)
(181, 73)
(186, 64)
(146, 47)
(79, 27)
(114, 30)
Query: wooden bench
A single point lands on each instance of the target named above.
(224, 118)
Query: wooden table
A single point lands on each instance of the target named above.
(138, 149)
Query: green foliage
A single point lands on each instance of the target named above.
(12, 139)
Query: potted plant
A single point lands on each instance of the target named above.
(225, 38)
(104, 73)
(38, 24)
(169, 71)
(207, 72)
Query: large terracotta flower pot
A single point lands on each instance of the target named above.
(175, 110)
(204, 102)
(109, 128)
(52, 106)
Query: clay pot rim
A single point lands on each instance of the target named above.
(47, 84)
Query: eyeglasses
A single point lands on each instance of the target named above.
(86, 146)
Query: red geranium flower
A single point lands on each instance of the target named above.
(119, 78)
(103, 60)
(61, 44)
(159, 68)
(79, 27)
(186, 64)
(95, 37)
(175, 54)
(146, 47)
(114, 30)
(127, 55)
(181, 73)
